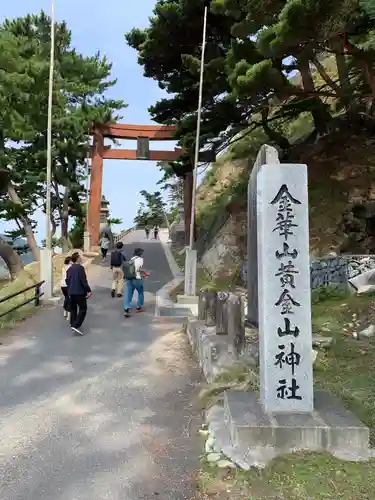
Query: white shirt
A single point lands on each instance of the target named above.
(63, 275)
(104, 243)
(138, 264)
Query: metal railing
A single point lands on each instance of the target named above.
(119, 236)
(35, 298)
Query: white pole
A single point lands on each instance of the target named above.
(195, 171)
(46, 268)
(49, 131)
(191, 255)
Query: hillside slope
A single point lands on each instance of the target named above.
(341, 170)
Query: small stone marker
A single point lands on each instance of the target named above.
(207, 307)
(235, 326)
(221, 313)
(286, 381)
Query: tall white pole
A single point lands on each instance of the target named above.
(191, 254)
(46, 267)
(49, 131)
(198, 132)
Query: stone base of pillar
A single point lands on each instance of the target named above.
(46, 273)
(86, 242)
(190, 272)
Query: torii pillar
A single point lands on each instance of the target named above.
(143, 134)
(96, 188)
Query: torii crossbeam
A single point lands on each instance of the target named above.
(142, 134)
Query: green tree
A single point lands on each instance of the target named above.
(79, 103)
(169, 51)
(151, 212)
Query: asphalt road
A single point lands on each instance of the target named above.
(104, 416)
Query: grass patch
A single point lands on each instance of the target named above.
(299, 476)
(344, 369)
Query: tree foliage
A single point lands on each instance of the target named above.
(260, 59)
(79, 103)
(151, 211)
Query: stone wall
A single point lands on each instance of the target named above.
(227, 248)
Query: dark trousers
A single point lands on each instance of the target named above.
(78, 310)
(66, 305)
(104, 252)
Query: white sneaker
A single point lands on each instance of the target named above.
(76, 330)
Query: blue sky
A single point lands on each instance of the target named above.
(102, 27)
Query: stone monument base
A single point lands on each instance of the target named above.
(252, 438)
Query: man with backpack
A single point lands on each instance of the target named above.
(134, 275)
(118, 257)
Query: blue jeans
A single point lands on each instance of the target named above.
(130, 286)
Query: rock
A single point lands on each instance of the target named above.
(210, 445)
(367, 332)
(213, 457)
(226, 464)
(314, 355)
(320, 341)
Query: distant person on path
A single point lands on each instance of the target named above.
(118, 258)
(134, 275)
(156, 232)
(64, 287)
(147, 231)
(104, 246)
(78, 290)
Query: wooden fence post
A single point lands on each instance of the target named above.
(37, 296)
(235, 325)
(221, 313)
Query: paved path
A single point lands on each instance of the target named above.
(104, 416)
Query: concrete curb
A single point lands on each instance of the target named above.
(162, 295)
(174, 267)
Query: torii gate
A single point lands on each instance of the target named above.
(142, 134)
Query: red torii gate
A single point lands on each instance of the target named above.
(142, 134)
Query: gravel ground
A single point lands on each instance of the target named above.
(104, 416)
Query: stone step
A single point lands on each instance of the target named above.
(176, 315)
(330, 427)
(187, 299)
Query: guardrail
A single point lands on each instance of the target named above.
(35, 299)
(120, 235)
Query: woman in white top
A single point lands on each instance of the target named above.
(104, 245)
(64, 288)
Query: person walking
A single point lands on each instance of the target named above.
(156, 232)
(64, 287)
(104, 246)
(147, 231)
(134, 274)
(118, 257)
(78, 291)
